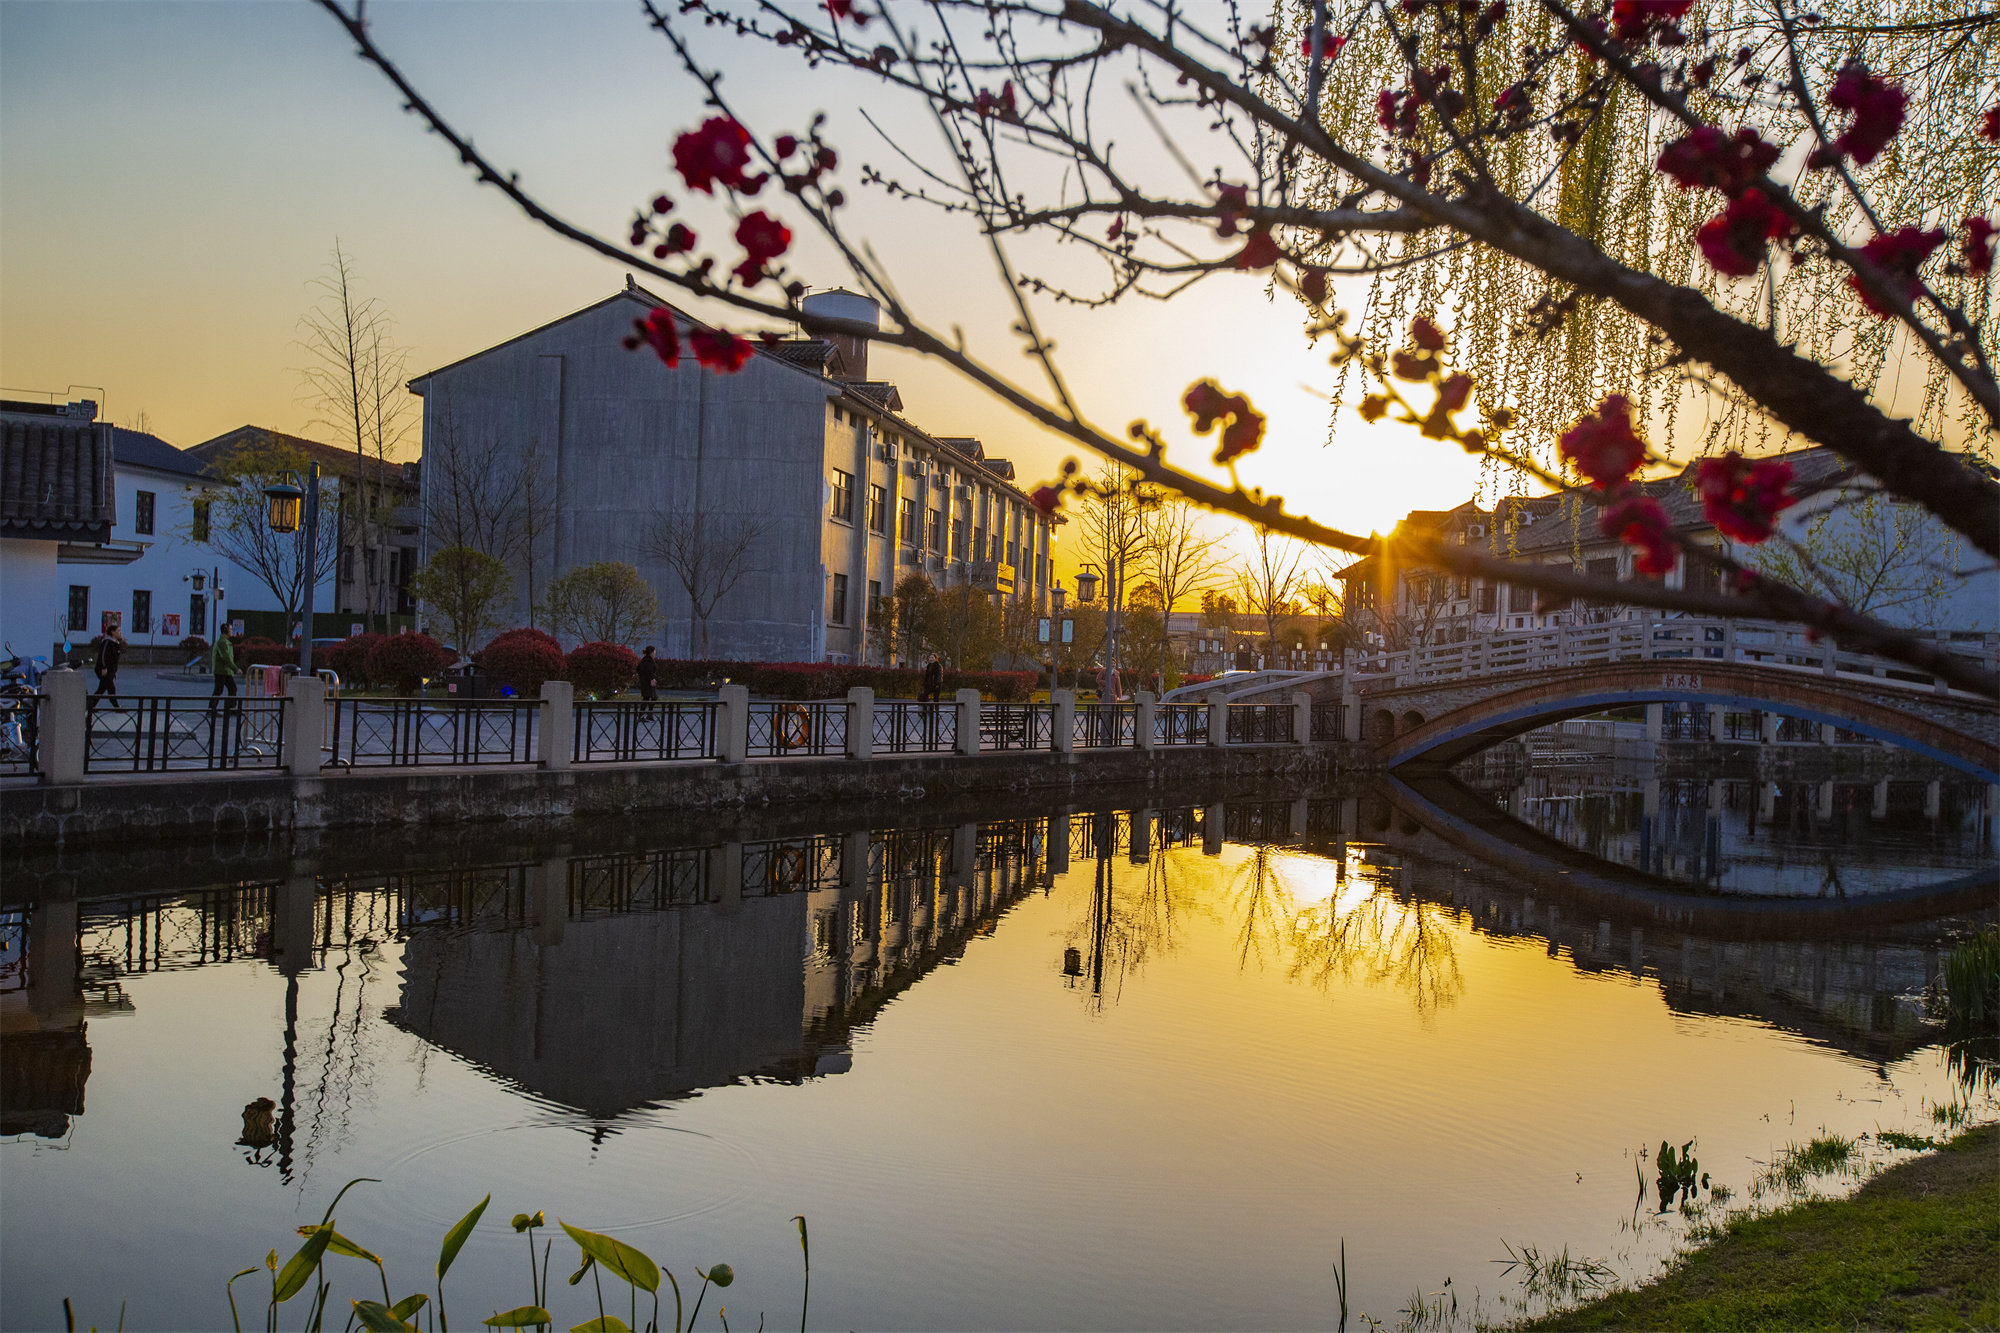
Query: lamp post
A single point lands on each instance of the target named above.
(288, 500)
(1056, 598)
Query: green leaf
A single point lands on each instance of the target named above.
(378, 1318)
(609, 1323)
(300, 1266)
(409, 1305)
(343, 1246)
(454, 1240)
(525, 1316)
(618, 1257)
(721, 1275)
(577, 1276)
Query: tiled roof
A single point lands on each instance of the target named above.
(135, 448)
(811, 353)
(55, 475)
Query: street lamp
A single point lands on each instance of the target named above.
(288, 500)
(1086, 584)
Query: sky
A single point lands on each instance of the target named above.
(174, 175)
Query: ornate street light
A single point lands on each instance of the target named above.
(293, 507)
(288, 502)
(1086, 584)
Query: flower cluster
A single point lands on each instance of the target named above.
(1898, 254)
(1329, 45)
(1208, 405)
(1989, 124)
(1639, 20)
(1743, 499)
(1604, 446)
(720, 350)
(1638, 520)
(1877, 108)
(1231, 203)
(718, 153)
(1396, 112)
(1977, 248)
(1733, 240)
(1709, 159)
(819, 160)
(1260, 250)
(763, 239)
(1002, 105)
(656, 330)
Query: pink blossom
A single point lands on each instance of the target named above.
(1876, 105)
(1638, 520)
(1733, 241)
(1208, 404)
(657, 331)
(1604, 446)
(1898, 254)
(1709, 158)
(716, 153)
(720, 350)
(1978, 247)
(1743, 499)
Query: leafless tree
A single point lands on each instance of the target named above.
(1179, 558)
(476, 499)
(239, 528)
(1268, 582)
(1541, 172)
(709, 556)
(354, 378)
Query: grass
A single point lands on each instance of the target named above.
(1917, 1247)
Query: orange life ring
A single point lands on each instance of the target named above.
(795, 727)
(788, 867)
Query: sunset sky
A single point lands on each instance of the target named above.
(175, 174)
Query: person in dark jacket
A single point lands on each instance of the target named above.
(933, 681)
(107, 669)
(649, 675)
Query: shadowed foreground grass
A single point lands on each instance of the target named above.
(1917, 1247)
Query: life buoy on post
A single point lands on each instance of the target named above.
(788, 867)
(794, 727)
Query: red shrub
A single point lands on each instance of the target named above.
(405, 661)
(349, 658)
(523, 658)
(601, 669)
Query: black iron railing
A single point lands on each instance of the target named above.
(158, 733)
(1016, 726)
(903, 727)
(791, 865)
(1329, 722)
(612, 731)
(814, 727)
(427, 732)
(20, 734)
(1181, 724)
(1260, 724)
(1105, 726)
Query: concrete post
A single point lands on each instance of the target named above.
(1933, 799)
(1767, 801)
(1993, 816)
(1655, 718)
(1938, 683)
(1211, 830)
(964, 854)
(725, 877)
(1218, 719)
(1767, 727)
(305, 725)
(1055, 848)
(64, 738)
(1062, 721)
(1350, 702)
(732, 724)
(1714, 714)
(556, 742)
(548, 890)
(1879, 806)
(1826, 733)
(861, 723)
(1145, 712)
(1823, 800)
(1298, 819)
(1141, 850)
(968, 722)
(292, 931)
(1829, 661)
(1729, 641)
(1302, 717)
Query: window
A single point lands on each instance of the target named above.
(878, 508)
(837, 612)
(142, 611)
(142, 521)
(1486, 604)
(197, 614)
(843, 495)
(79, 608)
(958, 539)
(934, 534)
(979, 543)
(909, 534)
(347, 564)
(874, 598)
(201, 520)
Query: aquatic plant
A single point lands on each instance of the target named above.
(1680, 1174)
(1555, 1278)
(1798, 1165)
(1967, 997)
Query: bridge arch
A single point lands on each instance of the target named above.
(1469, 715)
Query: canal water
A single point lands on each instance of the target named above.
(1152, 1064)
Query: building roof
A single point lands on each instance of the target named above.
(55, 474)
(135, 448)
(810, 353)
(340, 462)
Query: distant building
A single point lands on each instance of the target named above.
(846, 496)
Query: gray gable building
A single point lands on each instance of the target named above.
(591, 447)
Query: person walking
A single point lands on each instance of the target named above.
(107, 669)
(649, 675)
(933, 685)
(222, 664)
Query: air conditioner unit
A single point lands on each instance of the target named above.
(1476, 530)
(913, 468)
(910, 556)
(961, 492)
(885, 451)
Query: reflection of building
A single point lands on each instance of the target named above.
(44, 1051)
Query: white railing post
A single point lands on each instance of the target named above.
(1145, 709)
(732, 724)
(305, 725)
(1302, 718)
(1729, 641)
(556, 724)
(968, 722)
(64, 727)
(1938, 683)
(1218, 719)
(861, 723)
(1062, 721)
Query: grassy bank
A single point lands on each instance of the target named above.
(1917, 1247)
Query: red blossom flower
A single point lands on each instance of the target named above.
(1374, 407)
(658, 331)
(1603, 446)
(720, 350)
(1898, 254)
(1329, 45)
(763, 239)
(1312, 284)
(1232, 202)
(1708, 158)
(1514, 103)
(1396, 112)
(1733, 240)
(1046, 498)
(1426, 334)
(1259, 251)
(1989, 125)
(662, 204)
(986, 104)
(1877, 106)
(1453, 392)
(1978, 246)
(1208, 404)
(1638, 520)
(844, 9)
(786, 145)
(678, 240)
(1116, 229)
(716, 154)
(1633, 20)
(1743, 499)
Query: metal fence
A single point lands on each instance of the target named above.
(1260, 724)
(1016, 727)
(1105, 726)
(903, 727)
(1329, 722)
(20, 731)
(608, 731)
(816, 727)
(1181, 724)
(158, 733)
(424, 732)
(790, 865)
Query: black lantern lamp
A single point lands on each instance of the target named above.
(1086, 586)
(288, 501)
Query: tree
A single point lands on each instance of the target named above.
(239, 527)
(354, 378)
(1179, 558)
(1269, 581)
(905, 627)
(483, 502)
(1870, 553)
(709, 556)
(1543, 172)
(606, 602)
(462, 586)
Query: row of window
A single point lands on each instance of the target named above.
(142, 615)
(836, 600)
(983, 546)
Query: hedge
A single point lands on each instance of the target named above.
(601, 670)
(828, 680)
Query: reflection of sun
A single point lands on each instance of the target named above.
(1313, 881)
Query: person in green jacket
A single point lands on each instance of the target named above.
(222, 662)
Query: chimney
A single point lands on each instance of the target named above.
(842, 304)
